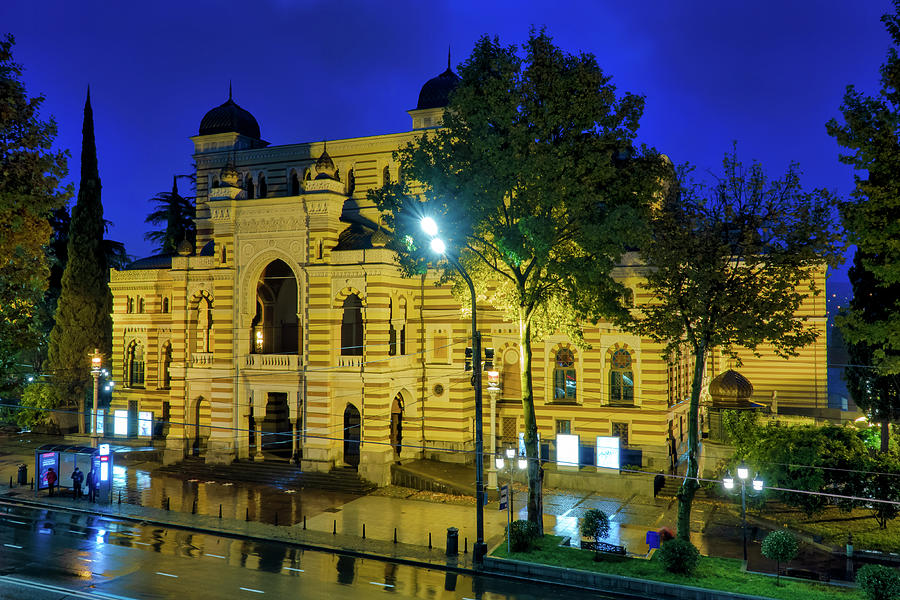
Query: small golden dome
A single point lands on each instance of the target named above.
(730, 389)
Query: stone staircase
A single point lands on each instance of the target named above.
(275, 473)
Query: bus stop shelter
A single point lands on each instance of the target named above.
(64, 458)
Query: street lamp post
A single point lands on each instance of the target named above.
(494, 391)
(743, 473)
(437, 245)
(96, 363)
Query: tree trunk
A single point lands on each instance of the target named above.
(690, 484)
(885, 435)
(532, 449)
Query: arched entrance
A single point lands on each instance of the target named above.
(352, 435)
(199, 433)
(275, 329)
(397, 425)
(276, 426)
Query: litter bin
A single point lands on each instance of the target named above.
(23, 474)
(452, 541)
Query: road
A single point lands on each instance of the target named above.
(48, 554)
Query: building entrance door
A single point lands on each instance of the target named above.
(276, 427)
(352, 435)
(397, 425)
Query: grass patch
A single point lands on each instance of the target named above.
(833, 525)
(713, 573)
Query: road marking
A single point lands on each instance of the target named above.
(252, 590)
(166, 574)
(78, 532)
(293, 569)
(381, 584)
(108, 595)
(17, 522)
(12, 546)
(68, 592)
(141, 543)
(215, 555)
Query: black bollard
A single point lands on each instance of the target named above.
(220, 511)
(334, 529)
(304, 522)
(120, 496)
(32, 483)
(364, 531)
(395, 535)
(194, 507)
(276, 518)
(465, 545)
(429, 540)
(10, 481)
(166, 503)
(247, 514)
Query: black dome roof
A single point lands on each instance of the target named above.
(227, 118)
(436, 91)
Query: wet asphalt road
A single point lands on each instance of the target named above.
(55, 555)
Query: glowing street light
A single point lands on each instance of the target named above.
(743, 473)
(429, 226)
(96, 368)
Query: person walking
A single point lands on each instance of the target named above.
(77, 480)
(51, 479)
(92, 485)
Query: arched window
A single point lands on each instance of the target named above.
(403, 326)
(129, 305)
(165, 381)
(392, 331)
(386, 176)
(248, 186)
(352, 327)
(165, 305)
(621, 379)
(564, 376)
(295, 184)
(135, 365)
(140, 304)
(215, 183)
(512, 374)
(203, 325)
(263, 188)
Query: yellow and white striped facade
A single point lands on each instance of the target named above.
(202, 306)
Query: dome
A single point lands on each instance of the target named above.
(158, 261)
(325, 168)
(436, 91)
(227, 118)
(184, 248)
(730, 389)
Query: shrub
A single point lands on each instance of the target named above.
(521, 535)
(595, 525)
(879, 582)
(780, 546)
(679, 556)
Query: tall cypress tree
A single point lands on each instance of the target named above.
(83, 319)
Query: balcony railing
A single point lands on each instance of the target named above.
(201, 359)
(273, 362)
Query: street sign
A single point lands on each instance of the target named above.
(504, 496)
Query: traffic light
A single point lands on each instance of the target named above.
(468, 358)
(488, 359)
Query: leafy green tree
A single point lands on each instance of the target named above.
(876, 392)
(595, 525)
(83, 320)
(728, 267)
(870, 131)
(538, 188)
(883, 484)
(177, 213)
(780, 546)
(879, 582)
(30, 175)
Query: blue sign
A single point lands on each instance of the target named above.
(504, 496)
(653, 539)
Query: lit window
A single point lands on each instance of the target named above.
(621, 379)
(564, 379)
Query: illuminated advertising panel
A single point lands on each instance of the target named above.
(145, 424)
(46, 461)
(120, 422)
(100, 421)
(608, 452)
(567, 450)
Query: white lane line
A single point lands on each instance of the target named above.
(387, 585)
(293, 569)
(141, 543)
(214, 555)
(13, 546)
(252, 590)
(108, 595)
(166, 574)
(17, 522)
(78, 532)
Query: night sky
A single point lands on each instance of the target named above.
(768, 74)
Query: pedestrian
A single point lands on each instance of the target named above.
(92, 485)
(51, 479)
(77, 480)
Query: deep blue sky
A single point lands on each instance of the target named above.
(768, 74)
